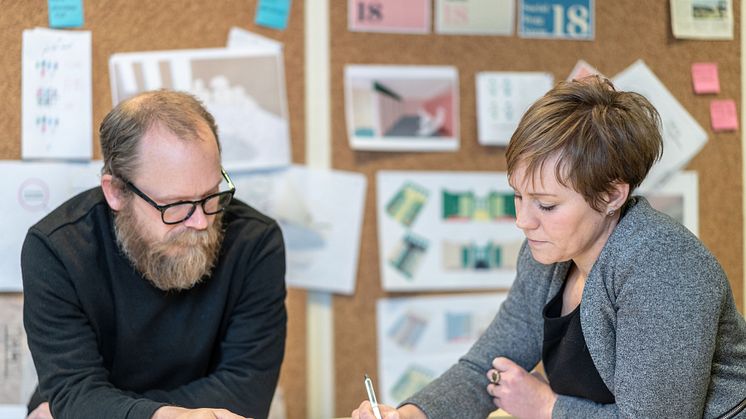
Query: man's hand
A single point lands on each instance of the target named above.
(172, 412)
(518, 392)
(41, 412)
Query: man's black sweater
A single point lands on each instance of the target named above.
(107, 343)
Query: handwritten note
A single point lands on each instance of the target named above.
(56, 95)
(723, 115)
(705, 78)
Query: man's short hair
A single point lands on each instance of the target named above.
(601, 136)
(126, 124)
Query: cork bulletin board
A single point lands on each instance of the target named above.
(141, 25)
(625, 32)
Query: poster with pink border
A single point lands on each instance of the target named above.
(392, 16)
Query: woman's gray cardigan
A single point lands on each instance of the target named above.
(658, 317)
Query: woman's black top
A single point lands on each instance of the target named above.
(567, 362)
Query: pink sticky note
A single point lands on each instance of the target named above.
(723, 115)
(396, 16)
(705, 78)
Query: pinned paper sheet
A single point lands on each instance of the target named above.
(702, 19)
(392, 16)
(65, 13)
(475, 17)
(583, 69)
(705, 78)
(56, 99)
(557, 19)
(683, 137)
(273, 13)
(723, 115)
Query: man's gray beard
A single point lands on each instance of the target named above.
(179, 262)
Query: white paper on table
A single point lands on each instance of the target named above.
(17, 369)
(320, 213)
(446, 230)
(474, 17)
(683, 137)
(242, 39)
(678, 197)
(402, 108)
(243, 88)
(420, 337)
(28, 192)
(56, 95)
(503, 98)
(702, 19)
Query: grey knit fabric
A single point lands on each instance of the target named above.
(658, 316)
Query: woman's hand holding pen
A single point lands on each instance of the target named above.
(408, 411)
(518, 392)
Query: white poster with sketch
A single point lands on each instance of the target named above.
(678, 198)
(28, 192)
(503, 98)
(402, 108)
(56, 95)
(243, 88)
(320, 213)
(446, 230)
(683, 137)
(421, 337)
(702, 19)
(17, 368)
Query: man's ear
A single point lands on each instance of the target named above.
(112, 192)
(617, 195)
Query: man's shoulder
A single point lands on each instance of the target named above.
(241, 213)
(72, 212)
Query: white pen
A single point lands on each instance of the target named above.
(372, 397)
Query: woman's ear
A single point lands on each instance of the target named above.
(617, 196)
(112, 192)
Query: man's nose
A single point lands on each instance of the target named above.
(198, 220)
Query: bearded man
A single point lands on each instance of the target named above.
(156, 295)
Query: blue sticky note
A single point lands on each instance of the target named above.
(273, 13)
(65, 13)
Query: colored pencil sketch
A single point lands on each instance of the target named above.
(471, 256)
(243, 89)
(420, 337)
(391, 108)
(407, 256)
(467, 206)
(446, 230)
(320, 213)
(407, 203)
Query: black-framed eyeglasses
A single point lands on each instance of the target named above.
(177, 212)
